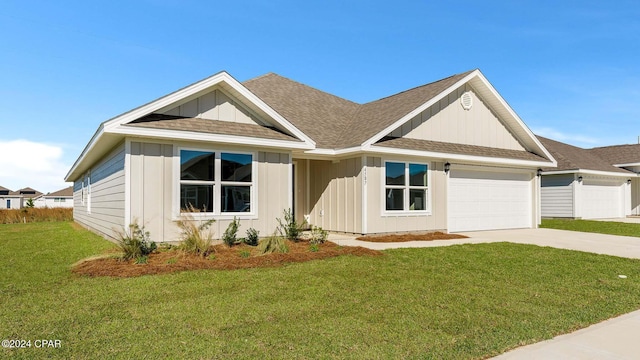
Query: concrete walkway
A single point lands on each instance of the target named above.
(615, 338)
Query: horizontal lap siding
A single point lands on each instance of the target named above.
(556, 196)
(107, 196)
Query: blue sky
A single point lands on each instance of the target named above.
(568, 68)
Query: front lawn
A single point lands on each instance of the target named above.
(601, 227)
(457, 302)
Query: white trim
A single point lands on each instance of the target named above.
(365, 203)
(217, 184)
(459, 157)
(198, 136)
(344, 151)
(590, 172)
(627, 165)
(418, 110)
(85, 151)
(127, 183)
(406, 189)
(290, 181)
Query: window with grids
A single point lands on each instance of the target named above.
(406, 186)
(215, 182)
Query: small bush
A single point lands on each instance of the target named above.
(245, 254)
(288, 227)
(142, 259)
(135, 242)
(314, 248)
(272, 244)
(231, 233)
(195, 236)
(318, 235)
(252, 237)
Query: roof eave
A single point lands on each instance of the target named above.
(589, 172)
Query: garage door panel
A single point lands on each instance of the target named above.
(601, 199)
(488, 200)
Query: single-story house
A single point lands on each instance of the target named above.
(56, 199)
(450, 155)
(625, 157)
(16, 199)
(585, 184)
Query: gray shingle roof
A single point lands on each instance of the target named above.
(212, 127)
(574, 158)
(462, 149)
(619, 154)
(60, 193)
(333, 122)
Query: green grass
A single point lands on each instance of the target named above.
(601, 227)
(458, 302)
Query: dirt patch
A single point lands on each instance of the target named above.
(222, 258)
(412, 237)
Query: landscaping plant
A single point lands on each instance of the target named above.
(272, 244)
(231, 233)
(135, 242)
(196, 236)
(252, 237)
(318, 235)
(288, 227)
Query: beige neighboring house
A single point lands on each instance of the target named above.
(16, 199)
(450, 155)
(60, 198)
(625, 157)
(584, 185)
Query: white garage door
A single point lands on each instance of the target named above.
(483, 200)
(601, 199)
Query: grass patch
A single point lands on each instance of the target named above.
(26, 215)
(456, 302)
(601, 227)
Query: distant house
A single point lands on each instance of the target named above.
(595, 183)
(450, 155)
(16, 199)
(60, 198)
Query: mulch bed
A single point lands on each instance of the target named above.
(224, 258)
(412, 237)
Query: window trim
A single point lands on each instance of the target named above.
(216, 184)
(406, 189)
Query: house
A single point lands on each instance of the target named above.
(625, 157)
(56, 199)
(449, 155)
(16, 199)
(586, 184)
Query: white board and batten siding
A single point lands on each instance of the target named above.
(490, 200)
(103, 206)
(557, 196)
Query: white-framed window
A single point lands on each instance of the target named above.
(217, 182)
(406, 187)
(89, 192)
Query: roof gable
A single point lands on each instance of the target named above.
(66, 192)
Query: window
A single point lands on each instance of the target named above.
(216, 182)
(8, 204)
(406, 186)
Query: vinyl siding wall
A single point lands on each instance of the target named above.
(379, 222)
(556, 196)
(106, 196)
(335, 194)
(154, 201)
(448, 121)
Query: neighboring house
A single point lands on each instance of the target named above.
(584, 185)
(626, 157)
(9, 199)
(450, 155)
(60, 198)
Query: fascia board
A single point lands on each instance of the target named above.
(459, 157)
(418, 110)
(514, 117)
(94, 139)
(221, 77)
(627, 165)
(590, 172)
(198, 136)
(346, 151)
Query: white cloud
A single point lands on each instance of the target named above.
(37, 165)
(573, 139)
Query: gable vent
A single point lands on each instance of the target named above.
(466, 100)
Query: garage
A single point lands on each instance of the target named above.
(602, 198)
(489, 200)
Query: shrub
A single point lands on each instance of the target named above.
(289, 228)
(318, 235)
(230, 234)
(135, 242)
(272, 244)
(314, 248)
(195, 236)
(244, 254)
(142, 259)
(252, 237)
